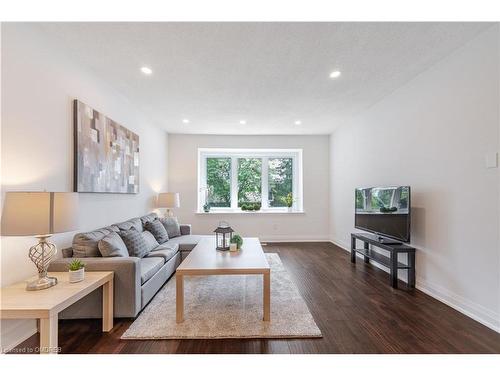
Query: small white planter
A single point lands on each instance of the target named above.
(76, 276)
(289, 209)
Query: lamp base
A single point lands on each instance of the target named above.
(41, 254)
(42, 283)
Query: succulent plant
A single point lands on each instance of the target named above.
(75, 265)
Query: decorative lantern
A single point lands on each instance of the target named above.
(223, 235)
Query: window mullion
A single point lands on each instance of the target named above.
(265, 183)
(202, 190)
(234, 183)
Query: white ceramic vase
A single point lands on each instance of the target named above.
(76, 276)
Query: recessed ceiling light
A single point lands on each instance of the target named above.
(185, 121)
(298, 122)
(335, 74)
(243, 122)
(146, 70)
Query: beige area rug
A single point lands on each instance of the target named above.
(218, 307)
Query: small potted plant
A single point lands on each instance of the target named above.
(288, 200)
(206, 207)
(76, 271)
(237, 240)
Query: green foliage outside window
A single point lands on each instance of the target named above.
(219, 182)
(249, 181)
(280, 181)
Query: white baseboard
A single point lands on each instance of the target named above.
(477, 312)
(294, 238)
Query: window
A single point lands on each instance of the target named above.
(237, 180)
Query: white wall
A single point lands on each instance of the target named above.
(312, 225)
(38, 86)
(433, 134)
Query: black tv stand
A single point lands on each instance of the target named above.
(381, 239)
(390, 262)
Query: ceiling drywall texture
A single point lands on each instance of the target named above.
(268, 74)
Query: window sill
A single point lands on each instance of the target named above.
(250, 213)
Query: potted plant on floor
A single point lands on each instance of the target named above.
(76, 271)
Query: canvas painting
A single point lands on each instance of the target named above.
(106, 153)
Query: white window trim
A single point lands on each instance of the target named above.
(265, 154)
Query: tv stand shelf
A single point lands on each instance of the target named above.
(379, 258)
(391, 261)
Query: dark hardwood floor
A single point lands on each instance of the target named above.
(354, 306)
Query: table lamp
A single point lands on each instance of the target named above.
(168, 201)
(39, 214)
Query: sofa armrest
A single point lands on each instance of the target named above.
(127, 279)
(185, 229)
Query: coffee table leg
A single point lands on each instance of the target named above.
(179, 298)
(48, 335)
(267, 296)
(107, 306)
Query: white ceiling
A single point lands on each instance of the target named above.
(269, 74)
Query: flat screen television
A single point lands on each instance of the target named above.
(384, 211)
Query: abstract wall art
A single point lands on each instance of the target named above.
(106, 154)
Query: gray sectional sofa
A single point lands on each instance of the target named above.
(136, 280)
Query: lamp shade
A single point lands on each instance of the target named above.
(39, 213)
(168, 200)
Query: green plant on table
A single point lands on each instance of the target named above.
(76, 265)
(237, 240)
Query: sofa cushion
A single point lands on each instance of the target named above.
(158, 230)
(135, 242)
(172, 226)
(85, 244)
(167, 245)
(149, 266)
(112, 245)
(165, 253)
(113, 228)
(150, 240)
(148, 218)
(132, 223)
(186, 243)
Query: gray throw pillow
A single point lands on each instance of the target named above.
(112, 245)
(172, 226)
(150, 240)
(135, 242)
(157, 230)
(85, 244)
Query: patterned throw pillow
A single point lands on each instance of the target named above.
(172, 226)
(135, 242)
(112, 245)
(150, 240)
(158, 230)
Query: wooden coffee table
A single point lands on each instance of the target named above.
(204, 260)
